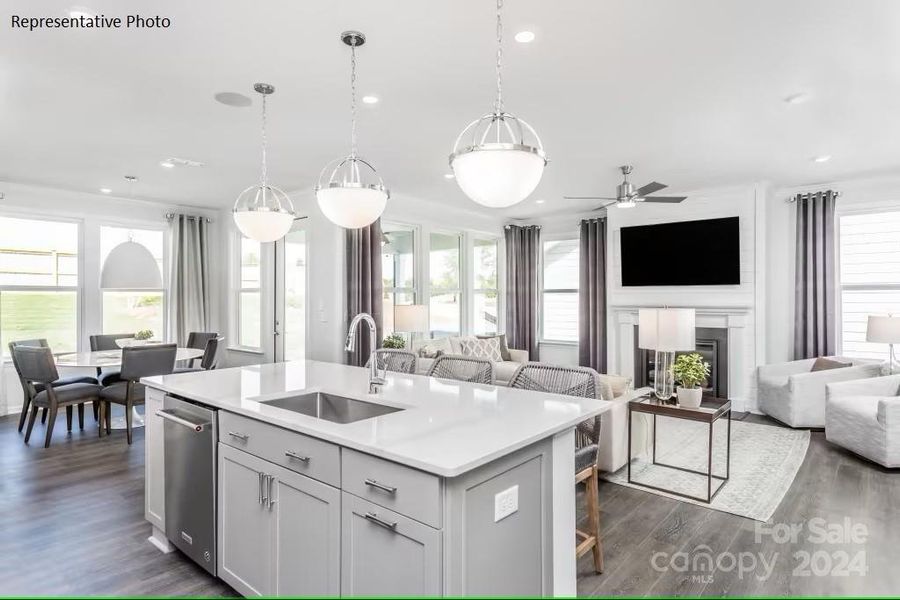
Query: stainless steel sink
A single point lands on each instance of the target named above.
(329, 407)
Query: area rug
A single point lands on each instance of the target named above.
(764, 461)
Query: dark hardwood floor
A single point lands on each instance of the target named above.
(71, 523)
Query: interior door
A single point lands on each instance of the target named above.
(290, 294)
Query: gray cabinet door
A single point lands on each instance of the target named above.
(307, 541)
(386, 554)
(246, 539)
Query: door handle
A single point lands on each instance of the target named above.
(259, 488)
(295, 456)
(271, 502)
(265, 489)
(373, 518)
(241, 436)
(169, 415)
(380, 486)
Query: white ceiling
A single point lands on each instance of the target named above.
(690, 92)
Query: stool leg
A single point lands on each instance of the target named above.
(43, 416)
(69, 418)
(592, 502)
(50, 424)
(96, 410)
(25, 406)
(31, 418)
(81, 417)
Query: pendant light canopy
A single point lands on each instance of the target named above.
(350, 192)
(263, 212)
(498, 160)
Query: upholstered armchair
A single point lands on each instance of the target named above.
(863, 416)
(795, 394)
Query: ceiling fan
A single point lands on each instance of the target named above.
(627, 196)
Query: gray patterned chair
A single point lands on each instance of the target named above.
(585, 383)
(37, 367)
(463, 368)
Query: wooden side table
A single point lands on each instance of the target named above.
(710, 411)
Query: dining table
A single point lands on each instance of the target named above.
(99, 359)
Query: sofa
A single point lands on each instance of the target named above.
(863, 416)
(424, 350)
(794, 393)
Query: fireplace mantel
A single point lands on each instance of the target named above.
(738, 320)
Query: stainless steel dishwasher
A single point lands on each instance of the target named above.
(190, 474)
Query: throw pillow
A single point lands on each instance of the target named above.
(504, 349)
(428, 351)
(825, 364)
(617, 383)
(489, 348)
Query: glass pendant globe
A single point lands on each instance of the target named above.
(351, 207)
(263, 213)
(496, 175)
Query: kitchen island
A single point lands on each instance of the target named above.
(450, 489)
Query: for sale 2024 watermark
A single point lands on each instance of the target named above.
(829, 549)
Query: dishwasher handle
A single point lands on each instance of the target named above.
(169, 415)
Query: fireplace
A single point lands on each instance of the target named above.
(712, 345)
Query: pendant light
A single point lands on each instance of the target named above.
(263, 212)
(498, 160)
(130, 266)
(350, 192)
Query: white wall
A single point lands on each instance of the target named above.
(856, 195)
(92, 211)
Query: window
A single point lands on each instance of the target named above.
(485, 291)
(445, 304)
(398, 270)
(870, 277)
(249, 295)
(559, 298)
(39, 282)
(129, 311)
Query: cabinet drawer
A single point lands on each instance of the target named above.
(295, 451)
(408, 491)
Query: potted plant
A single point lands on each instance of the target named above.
(690, 372)
(394, 341)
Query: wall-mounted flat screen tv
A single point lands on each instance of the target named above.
(686, 253)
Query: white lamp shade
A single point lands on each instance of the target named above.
(667, 329)
(351, 207)
(263, 225)
(411, 318)
(130, 266)
(496, 177)
(883, 330)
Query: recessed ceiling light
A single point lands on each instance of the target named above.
(167, 164)
(539, 201)
(822, 158)
(233, 99)
(105, 191)
(449, 175)
(370, 99)
(798, 98)
(525, 37)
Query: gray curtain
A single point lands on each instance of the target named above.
(189, 301)
(592, 295)
(364, 285)
(814, 300)
(523, 251)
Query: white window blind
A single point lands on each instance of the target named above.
(559, 297)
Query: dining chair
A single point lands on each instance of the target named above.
(462, 368)
(27, 390)
(199, 340)
(396, 361)
(137, 362)
(585, 383)
(36, 365)
(209, 360)
(107, 341)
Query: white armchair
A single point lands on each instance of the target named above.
(795, 395)
(863, 416)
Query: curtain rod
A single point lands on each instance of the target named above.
(808, 194)
(170, 216)
(508, 225)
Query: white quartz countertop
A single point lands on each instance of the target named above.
(446, 428)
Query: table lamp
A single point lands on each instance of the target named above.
(666, 330)
(884, 330)
(411, 319)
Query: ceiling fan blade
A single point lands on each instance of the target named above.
(589, 198)
(667, 199)
(653, 186)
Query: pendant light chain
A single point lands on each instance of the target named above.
(353, 147)
(264, 174)
(498, 106)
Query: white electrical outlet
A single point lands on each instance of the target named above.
(506, 503)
